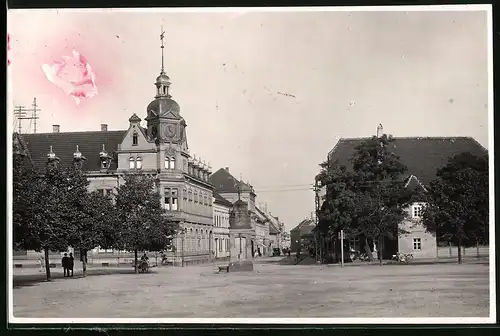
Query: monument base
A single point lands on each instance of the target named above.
(241, 266)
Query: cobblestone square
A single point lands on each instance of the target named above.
(272, 290)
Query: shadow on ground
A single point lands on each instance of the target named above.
(32, 279)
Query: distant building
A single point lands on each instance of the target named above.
(423, 156)
(250, 224)
(222, 209)
(300, 236)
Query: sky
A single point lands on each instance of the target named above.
(266, 94)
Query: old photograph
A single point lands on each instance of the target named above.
(259, 165)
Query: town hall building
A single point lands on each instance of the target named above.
(160, 149)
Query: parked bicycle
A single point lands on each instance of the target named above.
(403, 258)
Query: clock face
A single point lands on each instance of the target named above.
(170, 131)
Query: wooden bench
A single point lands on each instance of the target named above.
(223, 268)
(52, 265)
(18, 265)
(105, 264)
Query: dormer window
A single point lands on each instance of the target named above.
(131, 163)
(138, 163)
(135, 139)
(105, 158)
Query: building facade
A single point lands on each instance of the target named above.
(221, 242)
(422, 156)
(299, 235)
(159, 148)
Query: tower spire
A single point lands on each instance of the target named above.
(162, 36)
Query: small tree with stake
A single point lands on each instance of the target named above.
(458, 201)
(143, 222)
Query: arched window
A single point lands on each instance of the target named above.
(131, 163)
(135, 139)
(167, 162)
(139, 163)
(172, 163)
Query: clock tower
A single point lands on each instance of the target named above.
(165, 125)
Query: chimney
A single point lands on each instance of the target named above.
(104, 127)
(227, 169)
(55, 128)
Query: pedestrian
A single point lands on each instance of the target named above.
(71, 264)
(65, 264)
(41, 261)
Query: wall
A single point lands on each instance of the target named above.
(221, 231)
(416, 231)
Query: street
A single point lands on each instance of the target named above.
(272, 290)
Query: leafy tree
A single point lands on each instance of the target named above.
(22, 178)
(44, 226)
(370, 199)
(458, 201)
(90, 216)
(143, 221)
(381, 194)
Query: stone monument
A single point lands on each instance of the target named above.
(241, 235)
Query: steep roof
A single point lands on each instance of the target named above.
(306, 223)
(224, 182)
(221, 200)
(423, 156)
(64, 145)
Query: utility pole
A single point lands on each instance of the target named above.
(21, 114)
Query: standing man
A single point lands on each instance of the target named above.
(65, 264)
(71, 264)
(41, 260)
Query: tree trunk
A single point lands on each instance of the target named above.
(477, 248)
(83, 254)
(135, 262)
(459, 252)
(449, 244)
(368, 250)
(463, 248)
(47, 263)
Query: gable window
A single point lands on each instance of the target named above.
(171, 199)
(167, 162)
(172, 163)
(135, 139)
(139, 163)
(131, 163)
(417, 211)
(417, 244)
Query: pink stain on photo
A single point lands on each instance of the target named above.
(73, 75)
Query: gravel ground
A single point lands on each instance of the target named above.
(272, 290)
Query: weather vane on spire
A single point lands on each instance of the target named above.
(162, 36)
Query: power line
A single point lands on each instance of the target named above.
(20, 112)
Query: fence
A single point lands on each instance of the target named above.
(452, 252)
